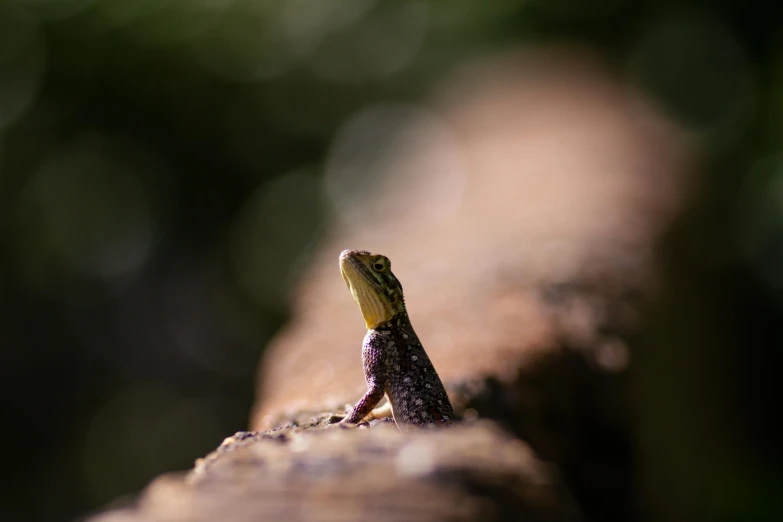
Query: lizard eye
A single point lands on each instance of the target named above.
(379, 264)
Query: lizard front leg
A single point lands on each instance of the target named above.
(365, 405)
(376, 377)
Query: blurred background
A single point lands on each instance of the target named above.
(161, 186)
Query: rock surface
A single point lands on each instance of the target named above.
(471, 472)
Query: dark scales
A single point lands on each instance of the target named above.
(395, 364)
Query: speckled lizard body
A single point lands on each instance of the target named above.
(395, 363)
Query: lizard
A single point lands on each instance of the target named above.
(395, 363)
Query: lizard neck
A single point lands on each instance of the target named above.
(399, 321)
(400, 327)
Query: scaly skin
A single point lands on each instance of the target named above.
(395, 363)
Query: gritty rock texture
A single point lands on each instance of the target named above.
(471, 472)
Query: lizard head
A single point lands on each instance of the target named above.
(373, 286)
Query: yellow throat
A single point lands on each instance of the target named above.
(373, 286)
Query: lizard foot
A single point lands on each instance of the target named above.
(384, 412)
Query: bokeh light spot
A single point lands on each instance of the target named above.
(306, 23)
(248, 45)
(84, 214)
(612, 354)
(384, 43)
(176, 22)
(697, 67)
(118, 13)
(365, 158)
